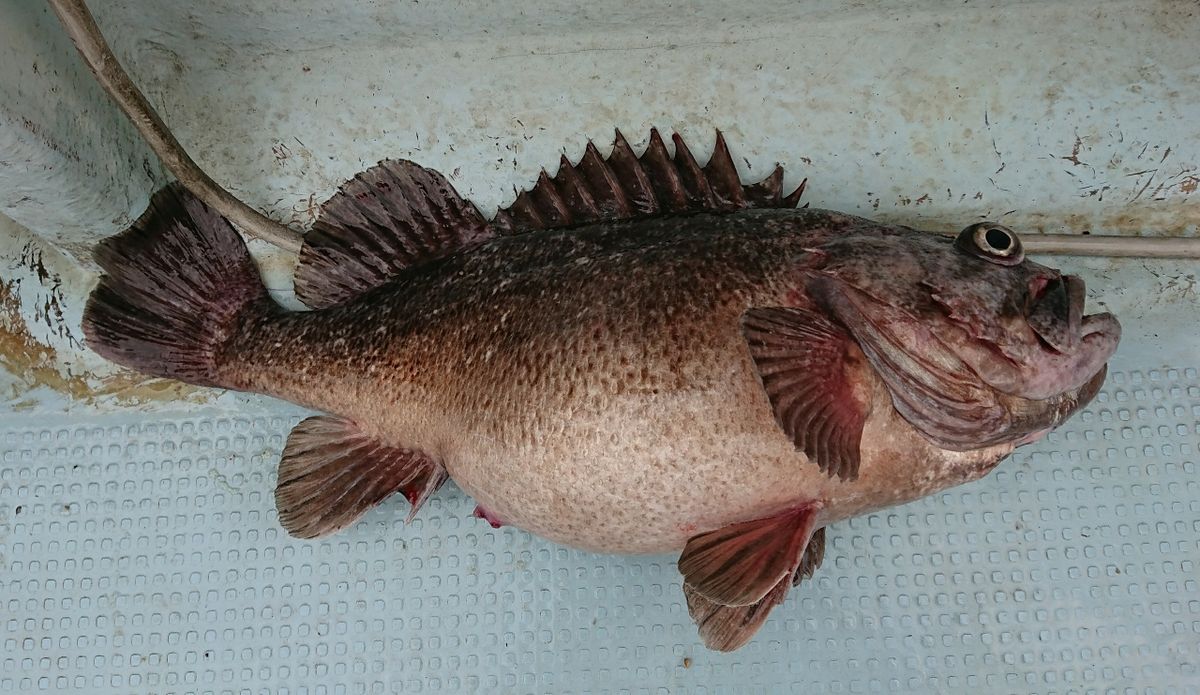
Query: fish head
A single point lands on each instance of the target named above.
(978, 344)
(1019, 324)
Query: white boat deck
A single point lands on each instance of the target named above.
(139, 549)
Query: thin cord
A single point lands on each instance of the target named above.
(81, 27)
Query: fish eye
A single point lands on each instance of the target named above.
(992, 242)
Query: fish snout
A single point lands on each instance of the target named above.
(1073, 348)
(1057, 311)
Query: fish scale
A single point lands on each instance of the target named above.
(640, 355)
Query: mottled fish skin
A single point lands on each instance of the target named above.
(592, 385)
(639, 355)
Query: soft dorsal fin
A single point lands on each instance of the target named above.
(398, 214)
(625, 186)
(392, 216)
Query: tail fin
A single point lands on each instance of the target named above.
(174, 288)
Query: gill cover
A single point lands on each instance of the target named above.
(930, 386)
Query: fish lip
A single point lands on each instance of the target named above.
(1079, 397)
(1063, 406)
(1103, 322)
(1076, 399)
(1057, 301)
(1090, 389)
(1103, 333)
(1100, 336)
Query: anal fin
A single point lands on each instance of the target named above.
(332, 473)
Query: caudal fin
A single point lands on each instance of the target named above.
(175, 287)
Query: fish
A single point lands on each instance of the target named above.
(639, 355)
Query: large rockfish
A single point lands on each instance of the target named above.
(640, 355)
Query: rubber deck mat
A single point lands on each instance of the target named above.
(144, 556)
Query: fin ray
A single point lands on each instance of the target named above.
(727, 628)
(801, 358)
(625, 186)
(814, 554)
(332, 473)
(737, 565)
(176, 286)
(392, 216)
(398, 214)
(932, 389)
(695, 183)
(629, 170)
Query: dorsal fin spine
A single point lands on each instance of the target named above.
(695, 185)
(606, 191)
(575, 190)
(664, 177)
(398, 214)
(722, 175)
(554, 210)
(630, 170)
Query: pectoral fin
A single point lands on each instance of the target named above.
(805, 361)
(332, 473)
(726, 628)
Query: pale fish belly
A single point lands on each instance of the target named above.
(643, 475)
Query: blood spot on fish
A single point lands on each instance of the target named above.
(492, 519)
(797, 297)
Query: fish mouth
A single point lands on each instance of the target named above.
(1075, 346)
(1057, 314)
(1058, 350)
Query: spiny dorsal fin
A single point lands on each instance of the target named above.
(625, 186)
(398, 214)
(392, 216)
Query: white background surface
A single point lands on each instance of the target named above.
(146, 558)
